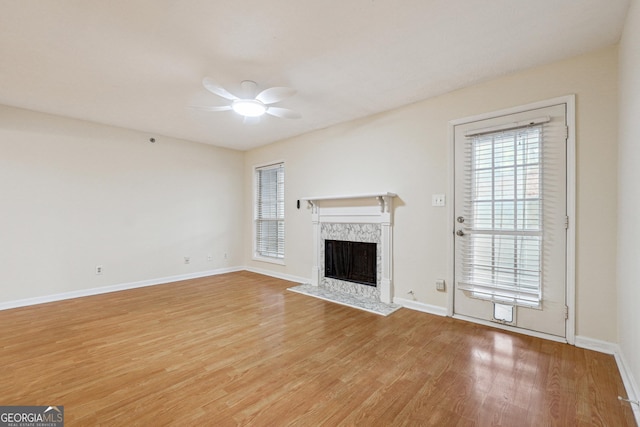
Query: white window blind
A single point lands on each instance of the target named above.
(269, 211)
(502, 254)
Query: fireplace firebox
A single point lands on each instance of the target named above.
(351, 261)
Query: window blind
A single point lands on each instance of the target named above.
(269, 211)
(502, 253)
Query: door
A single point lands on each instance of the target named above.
(510, 217)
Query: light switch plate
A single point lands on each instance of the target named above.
(437, 200)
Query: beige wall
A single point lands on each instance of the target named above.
(629, 203)
(407, 151)
(76, 194)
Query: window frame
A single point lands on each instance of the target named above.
(484, 270)
(257, 256)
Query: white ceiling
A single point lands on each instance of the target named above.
(139, 64)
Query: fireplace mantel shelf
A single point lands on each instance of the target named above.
(349, 196)
(384, 199)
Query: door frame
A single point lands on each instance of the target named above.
(570, 101)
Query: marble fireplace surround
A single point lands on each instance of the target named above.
(357, 218)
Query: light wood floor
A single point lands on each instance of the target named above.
(239, 349)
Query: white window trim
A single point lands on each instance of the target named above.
(570, 101)
(255, 256)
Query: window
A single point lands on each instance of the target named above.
(503, 254)
(269, 212)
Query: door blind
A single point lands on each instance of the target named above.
(270, 211)
(502, 252)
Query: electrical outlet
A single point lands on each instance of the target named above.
(99, 270)
(209, 258)
(187, 260)
(440, 285)
(225, 255)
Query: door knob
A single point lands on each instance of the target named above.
(460, 233)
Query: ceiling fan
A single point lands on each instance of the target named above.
(252, 105)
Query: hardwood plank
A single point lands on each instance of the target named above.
(238, 349)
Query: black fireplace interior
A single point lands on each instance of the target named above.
(350, 261)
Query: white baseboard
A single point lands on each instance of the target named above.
(282, 276)
(630, 384)
(597, 345)
(113, 288)
(420, 306)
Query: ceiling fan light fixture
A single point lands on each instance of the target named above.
(249, 107)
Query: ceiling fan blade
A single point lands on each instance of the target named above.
(215, 88)
(275, 94)
(211, 108)
(284, 113)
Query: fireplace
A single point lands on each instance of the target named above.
(350, 261)
(359, 226)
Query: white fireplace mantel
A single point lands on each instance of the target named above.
(369, 208)
(384, 200)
